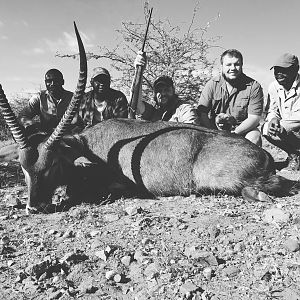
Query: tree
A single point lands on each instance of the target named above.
(179, 52)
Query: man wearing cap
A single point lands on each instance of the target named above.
(234, 97)
(166, 104)
(49, 105)
(102, 102)
(282, 126)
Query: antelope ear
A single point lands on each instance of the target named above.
(82, 161)
(9, 152)
(70, 148)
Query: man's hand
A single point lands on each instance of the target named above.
(274, 127)
(225, 122)
(140, 60)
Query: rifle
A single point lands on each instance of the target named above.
(138, 75)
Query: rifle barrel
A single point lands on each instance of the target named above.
(148, 23)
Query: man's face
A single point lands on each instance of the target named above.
(100, 84)
(164, 94)
(285, 76)
(231, 68)
(54, 83)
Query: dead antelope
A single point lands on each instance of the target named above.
(144, 158)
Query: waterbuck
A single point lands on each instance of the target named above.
(143, 158)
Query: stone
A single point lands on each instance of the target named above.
(133, 210)
(119, 278)
(276, 215)
(68, 234)
(38, 269)
(205, 257)
(188, 288)
(151, 271)
(12, 201)
(126, 260)
(139, 256)
(93, 233)
(101, 254)
(55, 295)
(110, 274)
(292, 245)
(207, 273)
(231, 271)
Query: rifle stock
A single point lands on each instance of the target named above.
(135, 91)
(138, 77)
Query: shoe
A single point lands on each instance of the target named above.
(293, 162)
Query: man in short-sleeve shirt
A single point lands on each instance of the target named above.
(282, 126)
(235, 94)
(49, 105)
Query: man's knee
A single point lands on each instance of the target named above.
(254, 136)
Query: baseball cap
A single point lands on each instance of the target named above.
(163, 80)
(286, 60)
(99, 71)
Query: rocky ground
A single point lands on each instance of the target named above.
(209, 247)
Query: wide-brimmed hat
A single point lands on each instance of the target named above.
(286, 60)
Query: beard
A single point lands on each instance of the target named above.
(233, 82)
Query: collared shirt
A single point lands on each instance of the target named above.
(115, 105)
(49, 110)
(285, 105)
(246, 98)
(179, 111)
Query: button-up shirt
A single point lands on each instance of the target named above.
(49, 110)
(115, 105)
(285, 105)
(246, 98)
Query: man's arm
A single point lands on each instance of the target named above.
(140, 60)
(204, 105)
(248, 124)
(30, 111)
(273, 110)
(272, 125)
(186, 113)
(255, 110)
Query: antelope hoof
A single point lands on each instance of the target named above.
(253, 195)
(43, 208)
(31, 210)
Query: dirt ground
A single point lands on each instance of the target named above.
(209, 247)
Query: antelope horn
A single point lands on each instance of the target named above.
(74, 103)
(12, 122)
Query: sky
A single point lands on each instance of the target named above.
(33, 31)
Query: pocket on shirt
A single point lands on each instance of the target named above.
(243, 102)
(241, 111)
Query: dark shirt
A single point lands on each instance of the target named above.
(115, 105)
(177, 111)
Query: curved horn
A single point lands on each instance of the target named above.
(74, 103)
(12, 122)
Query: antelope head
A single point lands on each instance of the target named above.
(40, 163)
